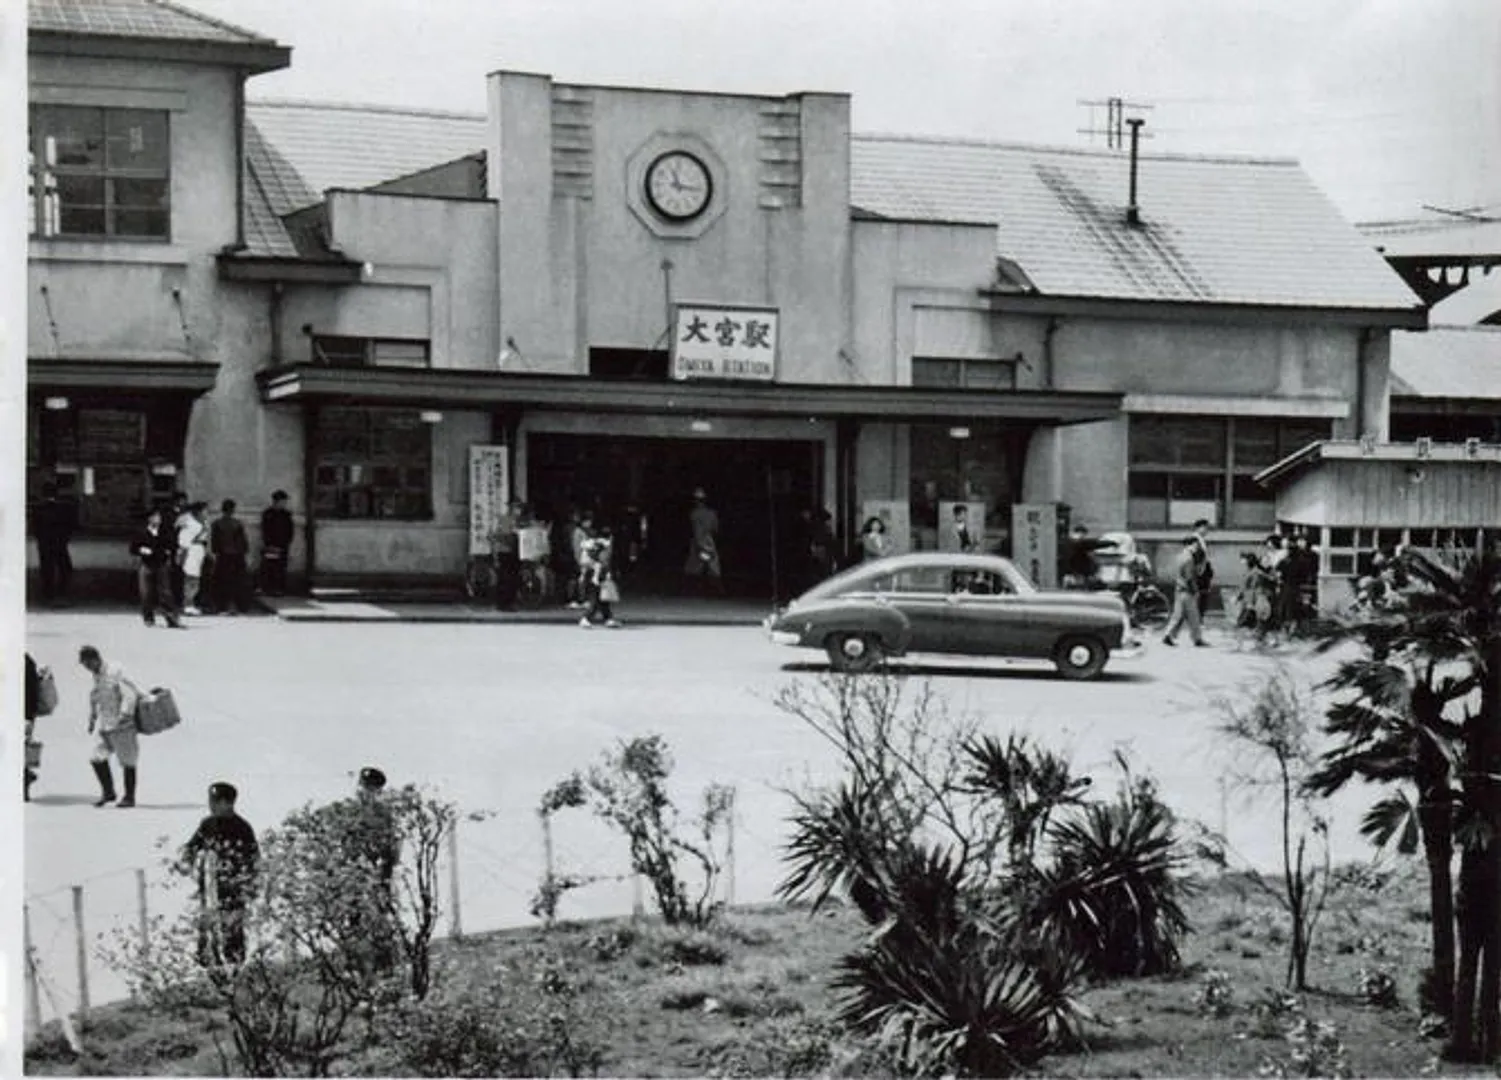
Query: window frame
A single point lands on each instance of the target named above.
(964, 366)
(367, 348)
(43, 179)
(1228, 473)
(338, 499)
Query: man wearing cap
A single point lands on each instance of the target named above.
(703, 552)
(377, 849)
(112, 712)
(277, 529)
(224, 855)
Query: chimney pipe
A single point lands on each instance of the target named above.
(1133, 212)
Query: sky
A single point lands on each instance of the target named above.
(1389, 104)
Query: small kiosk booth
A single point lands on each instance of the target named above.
(1354, 499)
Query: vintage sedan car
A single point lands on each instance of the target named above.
(966, 605)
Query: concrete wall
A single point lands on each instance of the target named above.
(580, 263)
(432, 275)
(114, 299)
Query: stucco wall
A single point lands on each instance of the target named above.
(577, 272)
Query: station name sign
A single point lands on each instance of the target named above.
(719, 341)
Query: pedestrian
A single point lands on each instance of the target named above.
(959, 529)
(602, 589)
(33, 700)
(192, 555)
(507, 547)
(155, 549)
(224, 857)
(52, 525)
(1080, 570)
(175, 519)
(578, 539)
(1204, 566)
(1302, 575)
(703, 563)
(1254, 606)
(875, 542)
(1186, 591)
(378, 850)
(821, 546)
(112, 717)
(564, 560)
(277, 530)
(231, 550)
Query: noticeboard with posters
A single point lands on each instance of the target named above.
(1034, 542)
(489, 494)
(896, 515)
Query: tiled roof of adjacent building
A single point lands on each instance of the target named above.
(1214, 229)
(155, 19)
(355, 146)
(1447, 362)
(1476, 231)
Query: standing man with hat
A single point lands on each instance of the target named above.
(277, 529)
(703, 551)
(112, 712)
(225, 856)
(378, 849)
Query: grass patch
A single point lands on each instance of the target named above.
(750, 997)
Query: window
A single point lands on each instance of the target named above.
(373, 463)
(1351, 551)
(916, 579)
(100, 172)
(982, 583)
(371, 352)
(1183, 468)
(963, 374)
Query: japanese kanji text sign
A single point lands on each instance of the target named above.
(723, 342)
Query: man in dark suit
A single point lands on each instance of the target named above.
(52, 525)
(277, 529)
(155, 549)
(224, 856)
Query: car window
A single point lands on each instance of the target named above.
(981, 583)
(914, 579)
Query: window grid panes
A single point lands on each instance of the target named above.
(100, 172)
(373, 463)
(967, 374)
(340, 351)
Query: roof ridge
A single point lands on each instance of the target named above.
(190, 13)
(1074, 151)
(349, 106)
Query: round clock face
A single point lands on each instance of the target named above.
(678, 185)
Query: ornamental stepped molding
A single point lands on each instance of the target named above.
(573, 142)
(781, 155)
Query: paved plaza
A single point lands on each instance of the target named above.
(491, 715)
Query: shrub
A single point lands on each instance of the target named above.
(1216, 996)
(1315, 1051)
(1378, 987)
(1274, 1011)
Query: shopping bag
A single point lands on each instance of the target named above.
(156, 712)
(609, 592)
(46, 695)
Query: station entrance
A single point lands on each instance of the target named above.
(643, 488)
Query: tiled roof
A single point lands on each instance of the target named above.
(1447, 362)
(354, 146)
(156, 19)
(1219, 230)
(1478, 233)
(285, 189)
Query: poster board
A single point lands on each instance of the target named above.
(489, 494)
(948, 535)
(897, 516)
(1034, 542)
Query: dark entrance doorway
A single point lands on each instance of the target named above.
(758, 487)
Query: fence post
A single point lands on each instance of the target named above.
(455, 919)
(729, 858)
(145, 918)
(81, 944)
(638, 901)
(33, 991)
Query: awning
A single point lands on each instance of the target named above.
(122, 376)
(481, 389)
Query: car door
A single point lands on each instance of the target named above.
(921, 594)
(986, 617)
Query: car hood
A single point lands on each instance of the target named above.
(1103, 601)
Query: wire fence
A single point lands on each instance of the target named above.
(490, 873)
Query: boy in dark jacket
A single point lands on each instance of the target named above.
(155, 549)
(277, 530)
(224, 855)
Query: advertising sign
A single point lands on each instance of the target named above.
(489, 494)
(896, 516)
(961, 527)
(1034, 542)
(720, 341)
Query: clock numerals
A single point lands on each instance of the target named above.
(678, 186)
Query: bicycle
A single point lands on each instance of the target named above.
(481, 578)
(534, 586)
(1147, 605)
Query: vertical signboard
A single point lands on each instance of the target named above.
(1034, 542)
(718, 341)
(489, 494)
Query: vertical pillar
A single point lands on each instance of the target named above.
(455, 918)
(309, 488)
(33, 999)
(81, 950)
(145, 921)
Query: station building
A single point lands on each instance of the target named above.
(639, 292)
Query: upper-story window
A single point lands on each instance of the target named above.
(100, 172)
(371, 352)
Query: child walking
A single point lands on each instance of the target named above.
(599, 578)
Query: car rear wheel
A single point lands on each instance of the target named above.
(1080, 657)
(854, 653)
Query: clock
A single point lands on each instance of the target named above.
(678, 185)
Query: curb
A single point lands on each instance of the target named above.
(518, 620)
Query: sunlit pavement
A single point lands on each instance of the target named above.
(493, 715)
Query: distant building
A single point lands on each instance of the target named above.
(638, 292)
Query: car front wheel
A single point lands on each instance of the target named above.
(854, 653)
(1080, 657)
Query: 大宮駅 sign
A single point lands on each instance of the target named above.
(720, 341)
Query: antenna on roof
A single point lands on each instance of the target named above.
(1114, 130)
(1133, 212)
